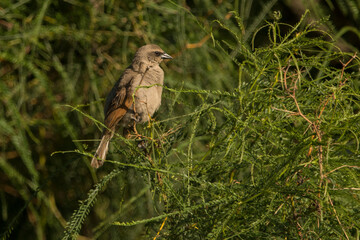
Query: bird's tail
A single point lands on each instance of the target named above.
(100, 155)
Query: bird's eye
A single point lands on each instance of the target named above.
(158, 53)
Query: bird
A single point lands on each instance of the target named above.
(134, 98)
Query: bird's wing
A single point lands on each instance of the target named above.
(119, 100)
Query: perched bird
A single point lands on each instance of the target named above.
(135, 96)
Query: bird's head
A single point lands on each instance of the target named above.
(150, 54)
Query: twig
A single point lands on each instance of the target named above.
(347, 188)
(315, 126)
(285, 110)
(340, 168)
(198, 44)
(342, 83)
(162, 225)
(337, 217)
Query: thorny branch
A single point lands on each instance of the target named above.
(313, 125)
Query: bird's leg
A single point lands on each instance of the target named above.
(135, 131)
(136, 119)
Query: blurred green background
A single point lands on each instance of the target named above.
(59, 55)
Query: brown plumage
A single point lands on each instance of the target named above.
(120, 106)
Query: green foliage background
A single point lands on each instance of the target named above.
(257, 136)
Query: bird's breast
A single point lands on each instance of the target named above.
(148, 91)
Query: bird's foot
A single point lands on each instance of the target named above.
(136, 117)
(135, 131)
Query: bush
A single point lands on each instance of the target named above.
(257, 137)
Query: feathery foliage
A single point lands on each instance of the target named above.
(268, 159)
(257, 136)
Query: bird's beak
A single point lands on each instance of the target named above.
(166, 56)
